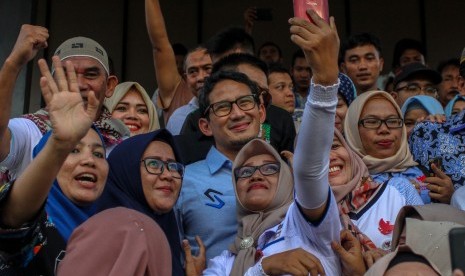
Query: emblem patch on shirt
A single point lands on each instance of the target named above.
(385, 227)
(386, 245)
(213, 197)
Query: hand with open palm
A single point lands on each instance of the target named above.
(70, 116)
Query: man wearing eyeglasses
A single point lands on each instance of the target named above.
(415, 79)
(232, 113)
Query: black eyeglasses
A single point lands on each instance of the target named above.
(265, 169)
(224, 108)
(415, 89)
(157, 166)
(374, 123)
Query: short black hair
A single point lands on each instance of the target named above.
(358, 40)
(278, 68)
(228, 39)
(297, 54)
(270, 43)
(232, 61)
(214, 79)
(406, 44)
(446, 63)
(198, 48)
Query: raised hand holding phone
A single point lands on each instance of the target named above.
(320, 6)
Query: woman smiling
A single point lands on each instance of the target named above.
(131, 104)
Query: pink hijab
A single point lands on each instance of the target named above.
(117, 241)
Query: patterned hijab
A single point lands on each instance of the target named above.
(399, 162)
(346, 89)
(251, 224)
(124, 187)
(355, 194)
(122, 89)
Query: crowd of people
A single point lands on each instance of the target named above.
(237, 165)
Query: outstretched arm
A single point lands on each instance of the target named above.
(30, 40)
(164, 60)
(250, 14)
(320, 43)
(71, 120)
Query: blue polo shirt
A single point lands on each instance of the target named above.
(207, 204)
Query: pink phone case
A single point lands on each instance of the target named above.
(320, 6)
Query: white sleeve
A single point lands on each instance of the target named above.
(220, 265)
(24, 137)
(311, 154)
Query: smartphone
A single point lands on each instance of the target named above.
(263, 14)
(437, 161)
(320, 6)
(457, 248)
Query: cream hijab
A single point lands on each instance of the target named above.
(122, 89)
(251, 224)
(427, 229)
(399, 162)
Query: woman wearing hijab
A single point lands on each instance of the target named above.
(418, 107)
(145, 176)
(420, 243)
(374, 130)
(277, 233)
(130, 243)
(131, 104)
(345, 96)
(367, 208)
(455, 106)
(39, 212)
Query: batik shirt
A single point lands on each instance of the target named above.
(445, 141)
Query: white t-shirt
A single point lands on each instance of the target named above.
(377, 218)
(294, 232)
(24, 137)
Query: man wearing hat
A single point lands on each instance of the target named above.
(18, 136)
(415, 79)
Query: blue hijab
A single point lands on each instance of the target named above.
(64, 214)
(451, 103)
(428, 103)
(124, 187)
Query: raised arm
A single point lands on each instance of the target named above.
(320, 44)
(164, 60)
(30, 40)
(71, 120)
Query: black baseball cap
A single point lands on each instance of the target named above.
(416, 69)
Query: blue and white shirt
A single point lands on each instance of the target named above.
(294, 232)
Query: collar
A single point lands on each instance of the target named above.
(194, 102)
(216, 160)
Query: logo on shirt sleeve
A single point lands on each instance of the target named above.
(214, 198)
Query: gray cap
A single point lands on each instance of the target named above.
(83, 47)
